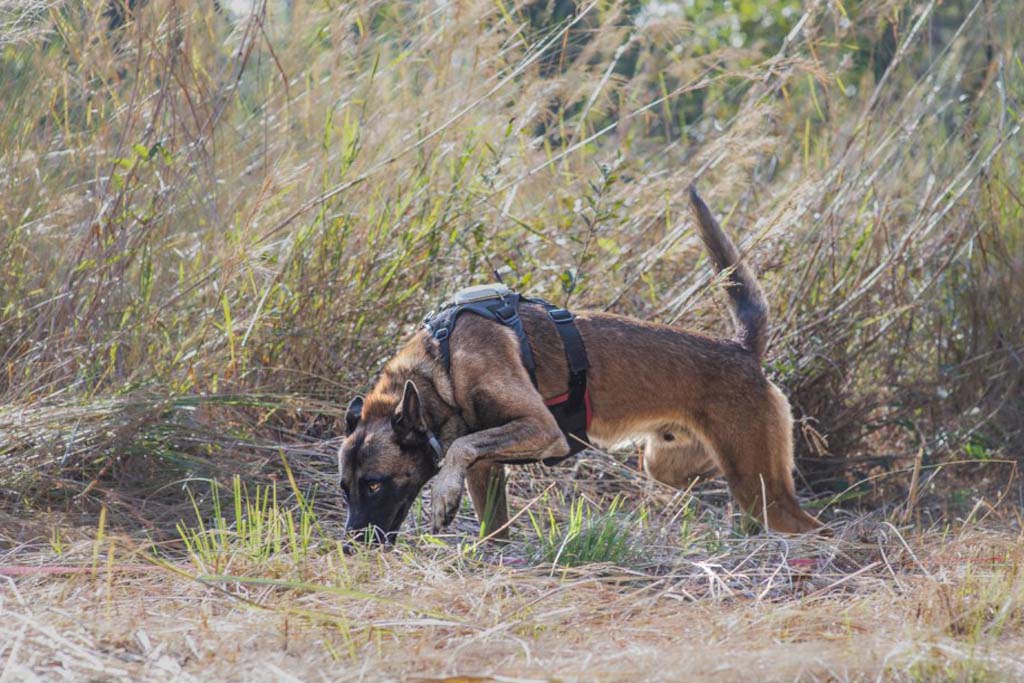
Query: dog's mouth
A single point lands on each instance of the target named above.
(376, 535)
(396, 520)
(371, 536)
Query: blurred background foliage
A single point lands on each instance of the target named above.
(218, 219)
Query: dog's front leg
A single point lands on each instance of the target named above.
(526, 438)
(486, 482)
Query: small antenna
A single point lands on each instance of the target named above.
(497, 276)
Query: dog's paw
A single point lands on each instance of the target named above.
(445, 496)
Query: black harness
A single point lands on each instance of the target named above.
(571, 410)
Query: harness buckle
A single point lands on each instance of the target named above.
(560, 315)
(505, 313)
(441, 333)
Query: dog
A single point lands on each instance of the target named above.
(455, 413)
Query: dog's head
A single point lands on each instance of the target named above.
(384, 461)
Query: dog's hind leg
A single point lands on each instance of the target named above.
(486, 484)
(753, 444)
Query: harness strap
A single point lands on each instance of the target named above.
(573, 412)
(507, 313)
(575, 353)
(441, 332)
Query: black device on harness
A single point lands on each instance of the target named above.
(498, 303)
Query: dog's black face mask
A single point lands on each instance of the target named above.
(384, 462)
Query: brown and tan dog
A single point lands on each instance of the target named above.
(702, 404)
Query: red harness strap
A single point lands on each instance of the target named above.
(564, 398)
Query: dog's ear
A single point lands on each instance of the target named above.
(352, 414)
(408, 420)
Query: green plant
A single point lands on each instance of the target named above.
(259, 527)
(57, 543)
(587, 536)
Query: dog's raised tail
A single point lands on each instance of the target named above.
(749, 308)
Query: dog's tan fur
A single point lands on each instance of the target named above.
(701, 404)
(676, 457)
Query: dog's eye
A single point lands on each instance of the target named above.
(373, 486)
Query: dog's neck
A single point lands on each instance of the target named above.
(415, 362)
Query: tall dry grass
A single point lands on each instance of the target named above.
(216, 225)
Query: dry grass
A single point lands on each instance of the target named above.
(261, 599)
(214, 226)
(869, 604)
